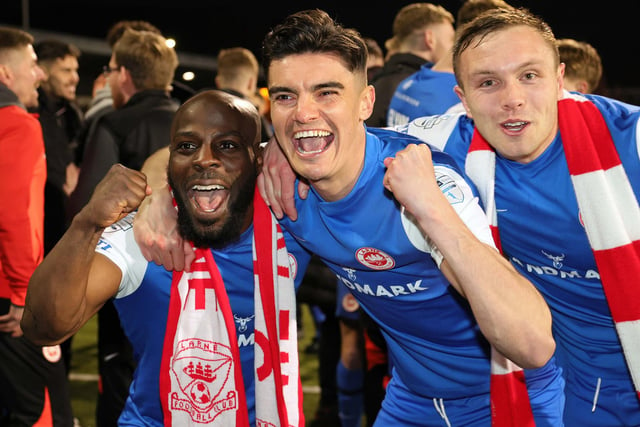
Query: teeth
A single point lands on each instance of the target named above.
(514, 124)
(309, 152)
(207, 187)
(311, 134)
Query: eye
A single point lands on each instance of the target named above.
(530, 76)
(227, 144)
(328, 92)
(488, 83)
(282, 97)
(186, 146)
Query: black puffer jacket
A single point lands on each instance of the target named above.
(127, 135)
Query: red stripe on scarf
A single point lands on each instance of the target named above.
(167, 351)
(614, 265)
(509, 399)
(478, 143)
(586, 126)
(496, 237)
(242, 414)
(281, 243)
(283, 271)
(262, 226)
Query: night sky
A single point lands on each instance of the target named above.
(205, 27)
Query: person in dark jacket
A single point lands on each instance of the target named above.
(139, 74)
(422, 32)
(60, 118)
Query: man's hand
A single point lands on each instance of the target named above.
(120, 192)
(155, 228)
(411, 178)
(276, 182)
(10, 322)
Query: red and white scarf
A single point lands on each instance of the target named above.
(200, 377)
(611, 217)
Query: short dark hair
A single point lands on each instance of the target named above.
(314, 31)
(51, 49)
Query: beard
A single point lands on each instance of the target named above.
(212, 234)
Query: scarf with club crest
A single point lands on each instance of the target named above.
(200, 377)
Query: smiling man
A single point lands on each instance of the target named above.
(196, 335)
(400, 227)
(560, 177)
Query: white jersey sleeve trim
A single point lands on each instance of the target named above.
(463, 202)
(118, 244)
(435, 130)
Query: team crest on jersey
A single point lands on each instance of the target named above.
(374, 258)
(202, 370)
(52, 353)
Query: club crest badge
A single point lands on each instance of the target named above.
(374, 259)
(52, 353)
(202, 369)
(293, 266)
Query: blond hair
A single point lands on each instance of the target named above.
(582, 62)
(415, 17)
(146, 55)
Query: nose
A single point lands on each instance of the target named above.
(513, 95)
(206, 157)
(306, 109)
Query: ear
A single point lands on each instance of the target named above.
(583, 86)
(458, 90)
(252, 84)
(6, 75)
(429, 39)
(367, 99)
(126, 81)
(560, 78)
